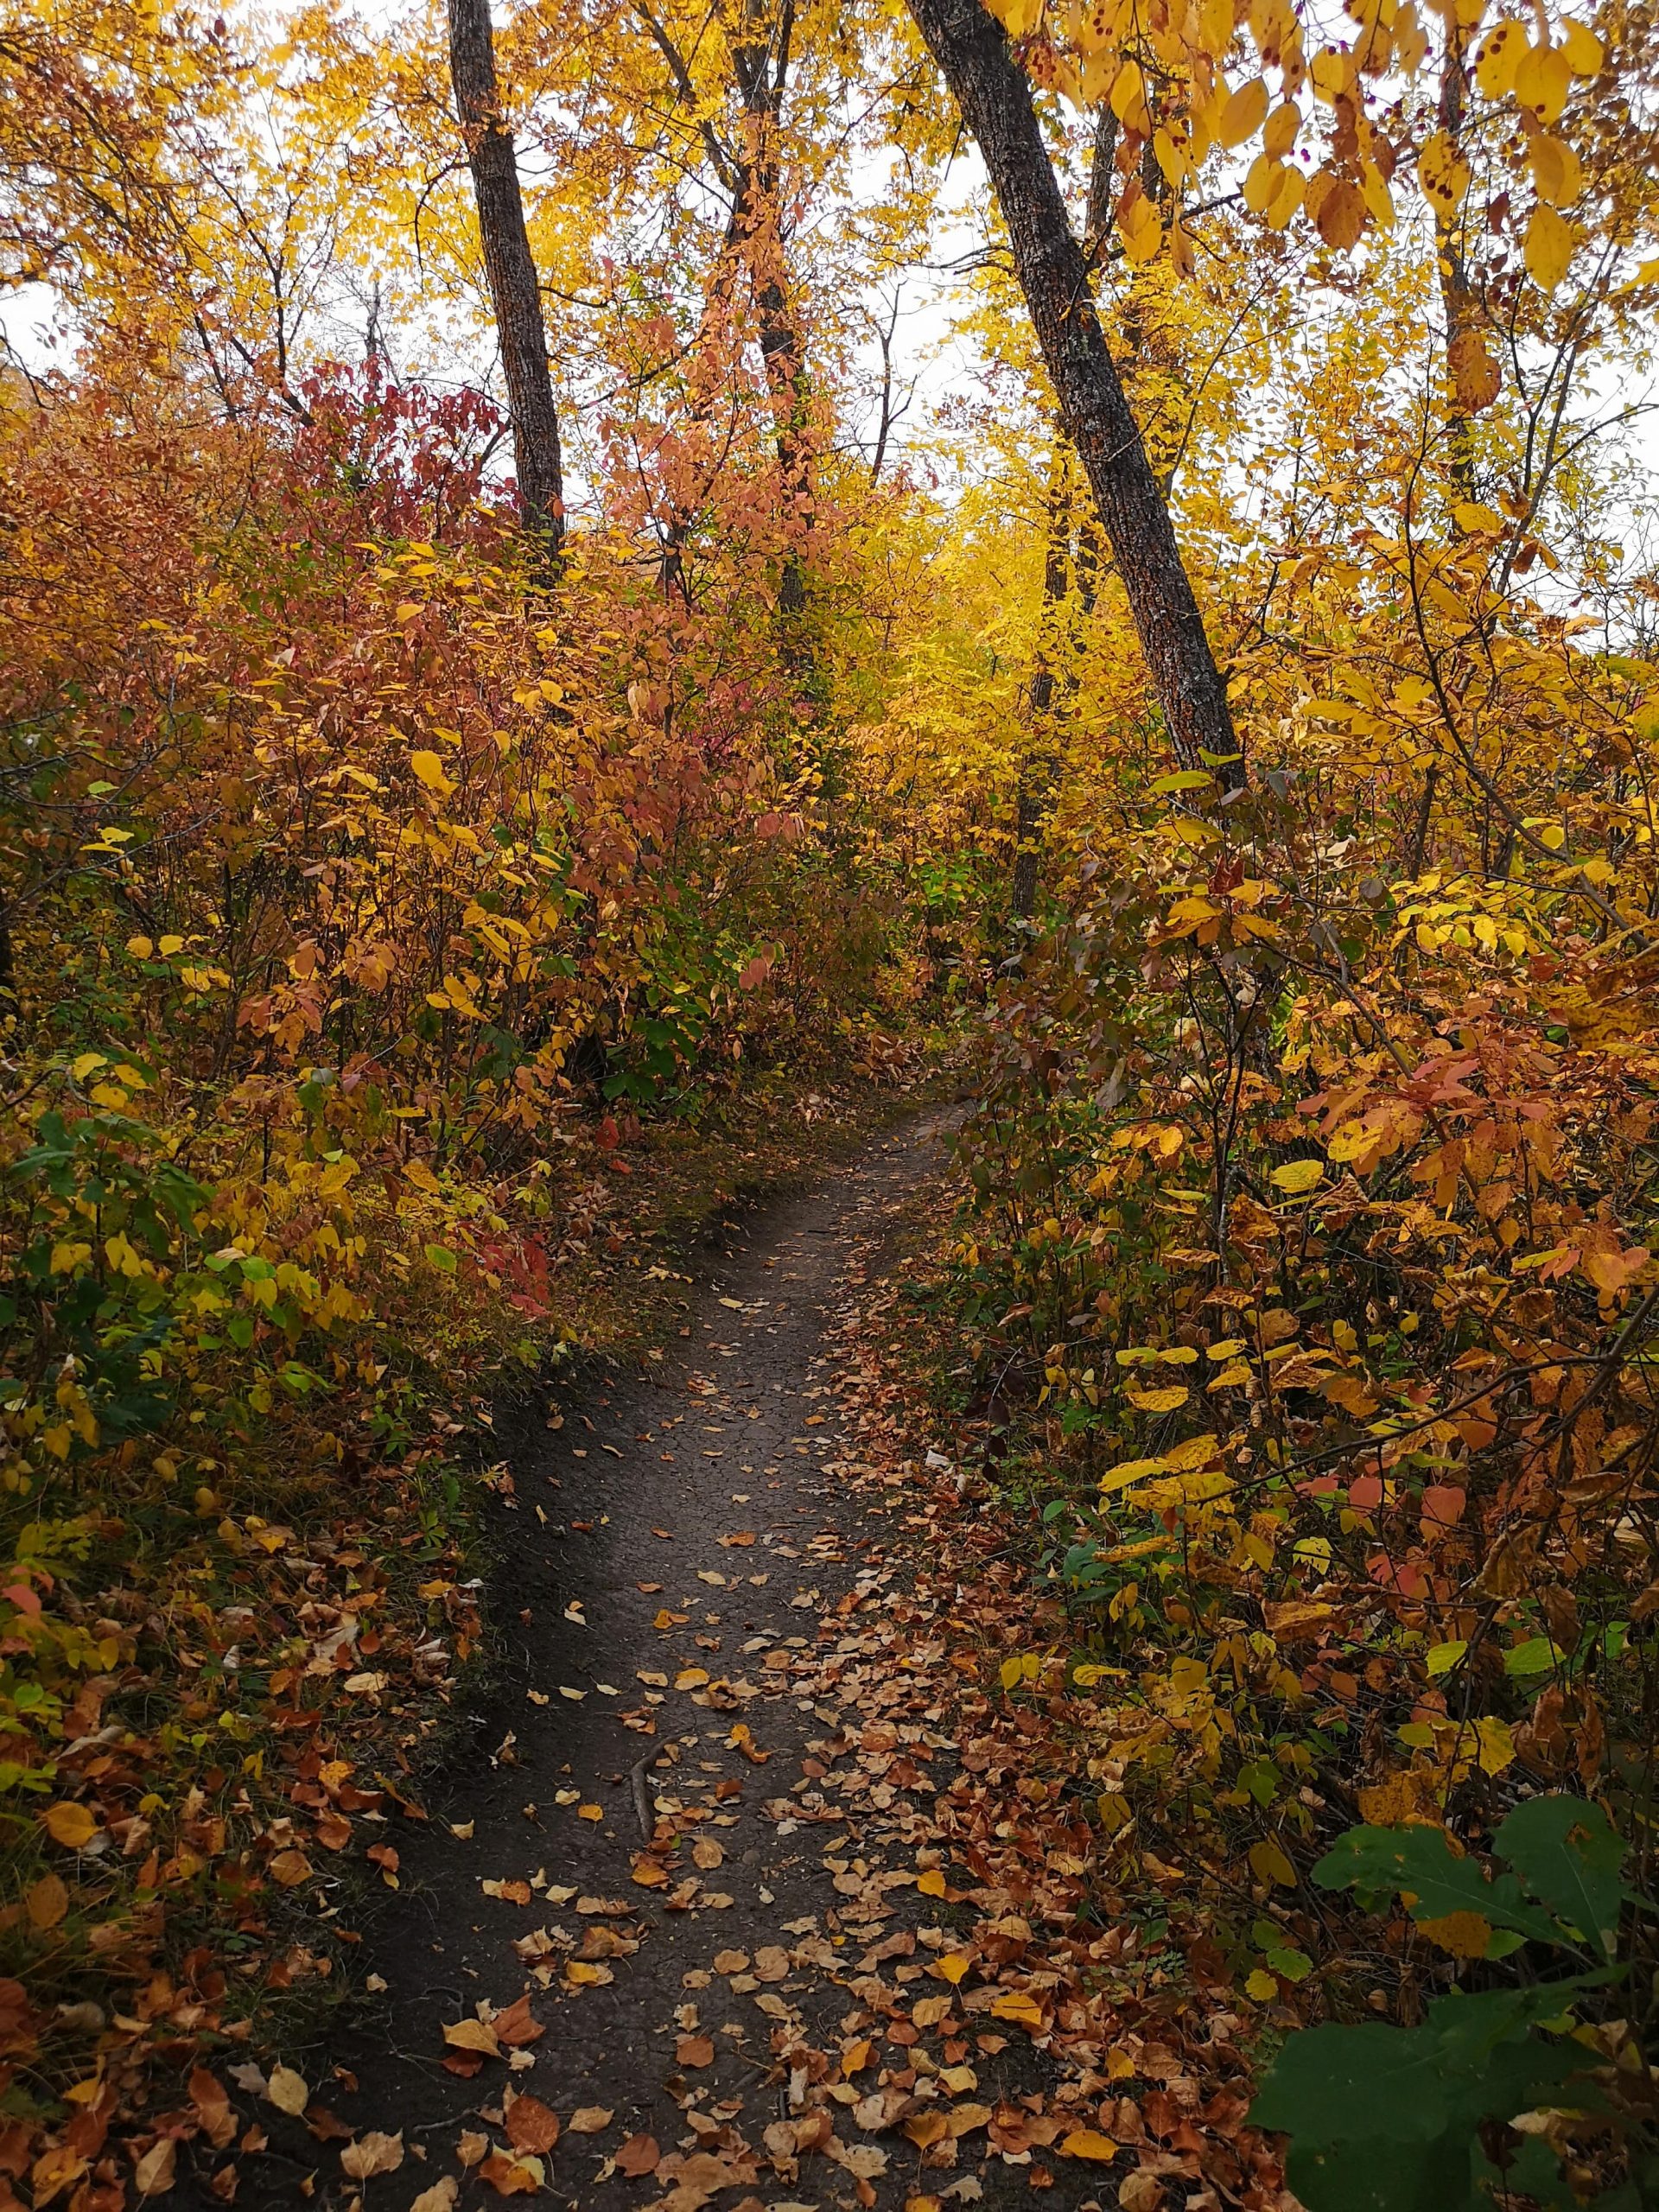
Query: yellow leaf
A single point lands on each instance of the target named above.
(1550, 246)
(1142, 231)
(1582, 48)
(1261, 1984)
(287, 2090)
(429, 769)
(1245, 111)
(1127, 1472)
(1270, 1864)
(1261, 182)
(932, 1884)
(1015, 2005)
(1556, 170)
(1279, 135)
(1502, 53)
(1496, 1745)
(69, 1824)
(953, 1968)
(1542, 80)
(1299, 1175)
(1442, 173)
(1465, 1934)
(473, 2035)
(1128, 91)
(1160, 1401)
(1193, 1452)
(1087, 2143)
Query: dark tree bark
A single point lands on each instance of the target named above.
(760, 61)
(995, 97)
(1457, 297)
(1037, 779)
(515, 292)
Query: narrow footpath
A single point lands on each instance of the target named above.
(682, 1927)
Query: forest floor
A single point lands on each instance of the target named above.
(745, 1886)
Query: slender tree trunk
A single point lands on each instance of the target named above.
(761, 60)
(1036, 793)
(995, 100)
(1103, 170)
(1457, 301)
(515, 292)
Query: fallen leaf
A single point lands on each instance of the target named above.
(695, 2050)
(440, 2197)
(1086, 2143)
(511, 2176)
(290, 1868)
(154, 2175)
(515, 2024)
(288, 2091)
(530, 2125)
(371, 2154)
(638, 2155)
(473, 2035)
(590, 2120)
(46, 1901)
(72, 1826)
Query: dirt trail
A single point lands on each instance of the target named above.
(668, 2011)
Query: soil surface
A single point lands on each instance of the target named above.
(646, 1882)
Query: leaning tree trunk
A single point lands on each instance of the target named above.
(995, 97)
(515, 292)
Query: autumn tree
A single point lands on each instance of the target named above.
(515, 293)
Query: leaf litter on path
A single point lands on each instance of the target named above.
(921, 1987)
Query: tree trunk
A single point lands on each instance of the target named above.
(1457, 301)
(515, 292)
(995, 97)
(760, 59)
(1041, 767)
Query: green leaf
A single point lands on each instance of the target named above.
(1537, 1656)
(1293, 1964)
(442, 1258)
(1418, 1861)
(1569, 1855)
(1335, 2083)
(1381, 2119)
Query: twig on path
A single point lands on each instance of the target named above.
(642, 1804)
